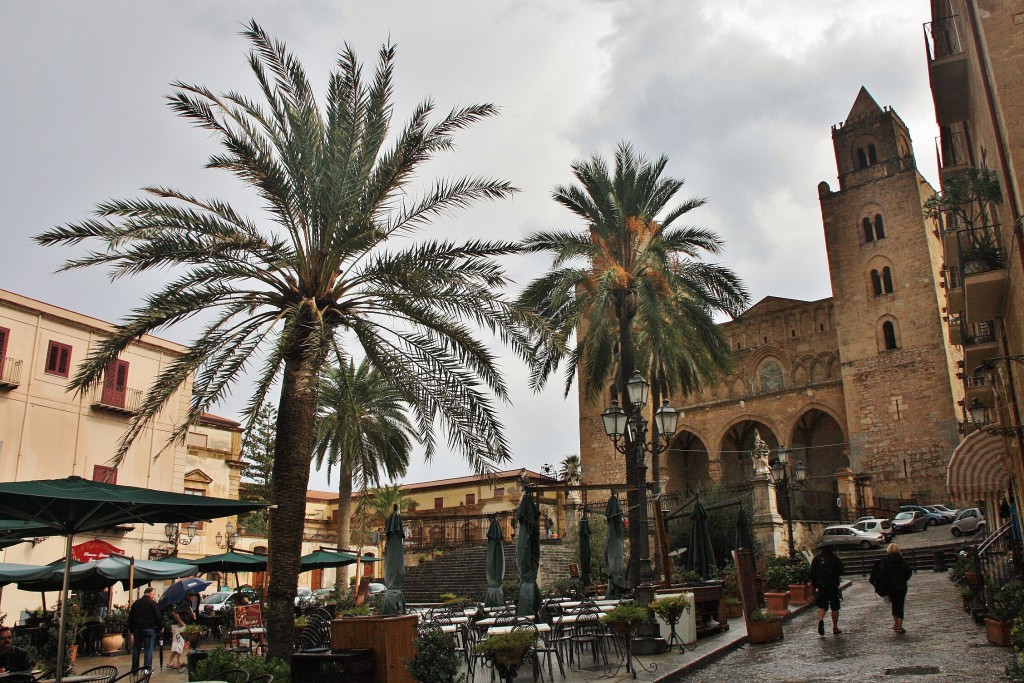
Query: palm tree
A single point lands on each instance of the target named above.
(330, 270)
(570, 471)
(364, 431)
(639, 298)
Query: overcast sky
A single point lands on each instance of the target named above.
(739, 94)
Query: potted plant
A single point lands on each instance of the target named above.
(731, 590)
(967, 593)
(625, 617)
(436, 660)
(670, 609)
(801, 591)
(115, 625)
(192, 633)
(507, 651)
(300, 624)
(1006, 604)
(422, 558)
(776, 586)
(763, 627)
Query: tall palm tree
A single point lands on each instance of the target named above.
(330, 270)
(364, 431)
(570, 471)
(632, 288)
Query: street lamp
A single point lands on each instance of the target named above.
(791, 477)
(628, 433)
(174, 537)
(979, 414)
(230, 540)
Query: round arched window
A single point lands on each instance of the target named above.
(771, 376)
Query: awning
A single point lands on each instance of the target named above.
(976, 470)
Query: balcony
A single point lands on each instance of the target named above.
(10, 373)
(979, 342)
(983, 264)
(117, 399)
(947, 68)
(952, 148)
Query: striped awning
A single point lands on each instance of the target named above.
(976, 469)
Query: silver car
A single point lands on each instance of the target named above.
(968, 521)
(846, 536)
(875, 525)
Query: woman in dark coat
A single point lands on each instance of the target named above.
(899, 573)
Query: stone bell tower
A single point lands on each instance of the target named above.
(898, 369)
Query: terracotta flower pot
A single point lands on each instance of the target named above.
(734, 610)
(997, 632)
(764, 631)
(801, 593)
(778, 603)
(112, 642)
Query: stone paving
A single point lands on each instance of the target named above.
(942, 645)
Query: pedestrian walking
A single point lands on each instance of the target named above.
(144, 621)
(182, 615)
(889, 576)
(826, 574)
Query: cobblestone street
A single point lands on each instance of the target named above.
(942, 643)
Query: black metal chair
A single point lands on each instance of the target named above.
(240, 641)
(19, 678)
(233, 676)
(140, 675)
(265, 678)
(107, 670)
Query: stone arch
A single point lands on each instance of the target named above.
(887, 334)
(819, 442)
(822, 320)
(834, 372)
(819, 370)
(864, 152)
(686, 463)
(736, 445)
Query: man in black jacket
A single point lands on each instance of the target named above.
(144, 621)
(12, 658)
(826, 575)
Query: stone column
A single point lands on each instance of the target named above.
(767, 524)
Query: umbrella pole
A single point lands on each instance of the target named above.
(61, 653)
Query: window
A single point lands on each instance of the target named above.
(196, 492)
(869, 233)
(873, 230)
(499, 492)
(58, 359)
(872, 157)
(879, 227)
(889, 335)
(438, 503)
(197, 439)
(470, 499)
(876, 283)
(887, 280)
(4, 335)
(771, 376)
(115, 383)
(104, 473)
(862, 158)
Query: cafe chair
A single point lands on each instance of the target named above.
(139, 676)
(265, 678)
(240, 641)
(233, 676)
(18, 678)
(108, 671)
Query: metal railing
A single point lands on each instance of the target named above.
(117, 398)
(996, 561)
(10, 372)
(430, 532)
(951, 149)
(942, 37)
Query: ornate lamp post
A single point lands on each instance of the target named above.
(229, 540)
(628, 433)
(174, 537)
(790, 477)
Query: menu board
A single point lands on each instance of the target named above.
(248, 616)
(746, 575)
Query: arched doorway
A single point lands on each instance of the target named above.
(737, 468)
(819, 443)
(685, 464)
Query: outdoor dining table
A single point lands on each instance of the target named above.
(83, 678)
(599, 603)
(454, 620)
(499, 630)
(491, 621)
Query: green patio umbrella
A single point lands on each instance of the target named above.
(528, 556)
(495, 565)
(76, 505)
(100, 574)
(331, 557)
(615, 549)
(585, 552)
(700, 557)
(11, 572)
(393, 602)
(743, 537)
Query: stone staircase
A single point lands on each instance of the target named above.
(926, 558)
(462, 571)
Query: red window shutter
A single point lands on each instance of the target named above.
(4, 334)
(104, 473)
(58, 359)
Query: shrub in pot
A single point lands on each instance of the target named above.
(763, 627)
(507, 649)
(1006, 605)
(776, 586)
(436, 660)
(624, 617)
(800, 589)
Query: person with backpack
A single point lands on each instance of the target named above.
(889, 576)
(826, 575)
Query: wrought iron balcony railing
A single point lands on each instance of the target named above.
(942, 37)
(10, 373)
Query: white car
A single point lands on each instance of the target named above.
(968, 521)
(302, 596)
(218, 602)
(875, 525)
(845, 536)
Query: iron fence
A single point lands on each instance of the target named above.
(942, 37)
(428, 532)
(997, 560)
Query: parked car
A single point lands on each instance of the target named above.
(968, 521)
(322, 596)
(909, 521)
(846, 536)
(947, 514)
(303, 596)
(875, 525)
(376, 588)
(931, 517)
(218, 602)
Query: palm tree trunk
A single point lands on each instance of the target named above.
(293, 454)
(344, 520)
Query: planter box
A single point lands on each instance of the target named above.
(778, 603)
(390, 638)
(997, 632)
(764, 631)
(801, 593)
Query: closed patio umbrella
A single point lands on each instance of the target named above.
(495, 565)
(528, 556)
(393, 602)
(615, 548)
(701, 555)
(585, 552)
(74, 505)
(743, 537)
